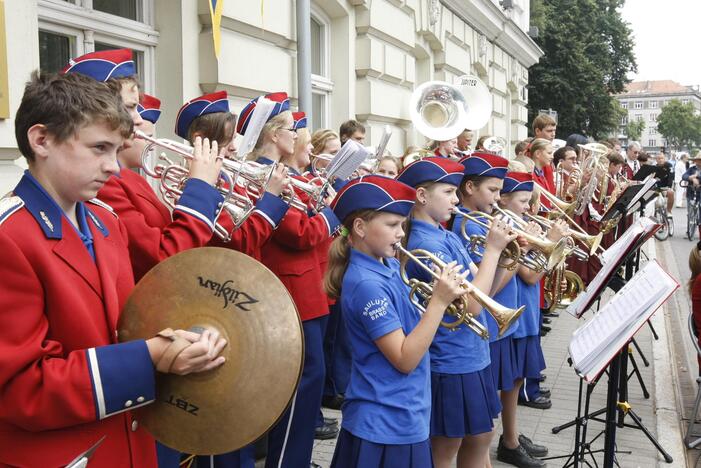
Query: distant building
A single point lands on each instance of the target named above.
(644, 100)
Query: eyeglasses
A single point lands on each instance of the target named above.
(289, 129)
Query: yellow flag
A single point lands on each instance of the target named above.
(215, 8)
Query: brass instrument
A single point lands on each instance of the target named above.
(503, 316)
(316, 159)
(229, 407)
(416, 156)
(495, 145)
(553, 292)
(510, 255)
(551, 253)
(596, 162)
(592, 242)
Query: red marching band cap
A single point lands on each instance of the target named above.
(517, 182)
(282, 104)
(103, 65)
(149, 108)
(485, 164)
(432, 169)
(373, 192)
(206, 104)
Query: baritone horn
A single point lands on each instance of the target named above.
(503, 316)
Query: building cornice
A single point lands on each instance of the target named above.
(488, 19)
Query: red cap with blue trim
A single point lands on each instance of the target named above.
(103, 65)
(282, 104)
(149, 108)
(517, 182)
(485, 164)
(206, 104)
(432, 169)
(373, 192)
(300, 119)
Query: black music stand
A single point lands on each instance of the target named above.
(617, 390)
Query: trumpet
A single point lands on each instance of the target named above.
(592, 242)
(550, 255)
(512, 252)
(503, 316)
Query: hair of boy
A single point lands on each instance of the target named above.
(66, 103)
(348, 128)
(542, 121)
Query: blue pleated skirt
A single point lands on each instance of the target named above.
(503, 365)
(530, 361)
(354, 452)
(463, 404)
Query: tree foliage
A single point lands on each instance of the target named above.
(588, 54)
(634, 129)
(679, 124)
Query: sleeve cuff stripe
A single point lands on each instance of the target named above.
(97, 382)
(328, 226)
(266, 217)
(196, 214)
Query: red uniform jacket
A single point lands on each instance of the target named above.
(64, 382)
(155, 234)
(293, 255)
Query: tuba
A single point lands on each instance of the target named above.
(503, 316)
(553, 291)
(438, 110)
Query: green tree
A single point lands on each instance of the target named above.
(588, 54)
(679, 124)
(634, 129)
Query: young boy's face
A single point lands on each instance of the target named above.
(76, 169)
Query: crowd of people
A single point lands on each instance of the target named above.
(417, 388)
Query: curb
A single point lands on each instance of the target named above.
(666, 399)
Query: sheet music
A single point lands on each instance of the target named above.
(648, 184)
(611, 260)
(594, 344)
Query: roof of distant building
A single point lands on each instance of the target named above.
(637, 88)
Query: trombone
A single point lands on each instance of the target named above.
(503, 316)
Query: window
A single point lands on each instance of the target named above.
(652, 142)
(653, 131)
(322, 86)
(70, 28)
(639, 117)
(685, 101)
(653, 104)
(638, 105)
(624, 120)
(653, 117)
(624, 105)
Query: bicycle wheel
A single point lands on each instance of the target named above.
(661, 217)
(691, 220)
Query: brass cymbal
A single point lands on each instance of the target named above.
(227, 408)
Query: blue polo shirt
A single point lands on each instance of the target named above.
(508, 296)
(449, 348)
(529, 322)
(382, 405)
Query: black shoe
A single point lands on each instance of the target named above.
(325, 432)
(542, 378)
(551, 313)
(545, 328)
(532, 449)
(517, 457)
(332, 401)
(331, 421)
(544, 391)
(546, 320)
(540, 402)
(314, 465)
(543, 332)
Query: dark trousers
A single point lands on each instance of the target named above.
(337, 354)
(244, 458)
(291, 440)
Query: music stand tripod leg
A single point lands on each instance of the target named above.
(638, 375)
(646, 363)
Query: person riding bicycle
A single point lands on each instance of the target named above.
(693, 177)
(666, 181)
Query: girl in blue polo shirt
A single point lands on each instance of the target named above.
(480, 191)
(387, 402)
(464, 399)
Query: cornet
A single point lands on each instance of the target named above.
(503, 316)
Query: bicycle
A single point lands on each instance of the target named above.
(692, 210)
(661, 217)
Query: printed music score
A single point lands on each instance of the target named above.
(594, 344)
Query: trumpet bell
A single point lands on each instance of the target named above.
(438, 110)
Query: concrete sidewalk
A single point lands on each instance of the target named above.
(658, 412)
